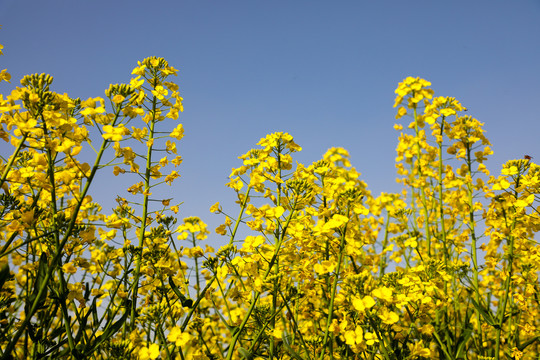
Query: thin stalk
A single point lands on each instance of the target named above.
(381, 339)
(196, 267)
(142, 229)
(11, 345)
(501, 310)
(472, 225)
(295, 324)
(441, 203)
(334, 289)
(12, 159)
(211, 281)
(51, 159)
(257, 294)
(382, 261)
(443, 230)
(422, 190)
(276, 266)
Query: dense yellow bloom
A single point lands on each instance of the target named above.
(416, 89)
(312, 260)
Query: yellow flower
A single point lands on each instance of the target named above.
(177, 161)
(325, 267)
(171, 177)
(371, 338)
(215, 208)
(4, 75)
(402, 111)
(28, 217)
(178, 337)
(274, 212)
(502, 184)
(362, 304)
(516, 353)
(160, 92)
(136, 83)
(416, 88)
(383, 293)
(355, 336)
(418, 349)
(140, 70)
(136, 188)
(388, 317)
(114, 133)
(221, 229)
(151, 352)
(166, 202)
(117, 170)
(69, 268)
(170, 146)
(252, 242)
(117, 99)
(163, 161)
(178, 132)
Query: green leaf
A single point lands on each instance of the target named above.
(40, 279)
(527, 343)
(186, 302)
(95, 317)
(287, 344)
(245, 353)
(4, 274)
(464, 338)
(443, 346)
(56, 347)
(84, 321)
(485, 313)
(109, 331)
(57, 332)
(232, 329)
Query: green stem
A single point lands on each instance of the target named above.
(334, 289)
(142, 229)
(502, 310)
(382, 261)
(472, 225)
(257, 293)
(11, 345)
(211, 281)
(196, 267)
(276, 265)
(422, 189)
(51, 159)
(379, 336)
(12, 159)
(441, 202)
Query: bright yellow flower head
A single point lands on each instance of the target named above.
(416, 89)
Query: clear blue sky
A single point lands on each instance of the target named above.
(324, 71)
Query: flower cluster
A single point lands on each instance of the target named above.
(314, 266)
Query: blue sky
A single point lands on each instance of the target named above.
(324, 71)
